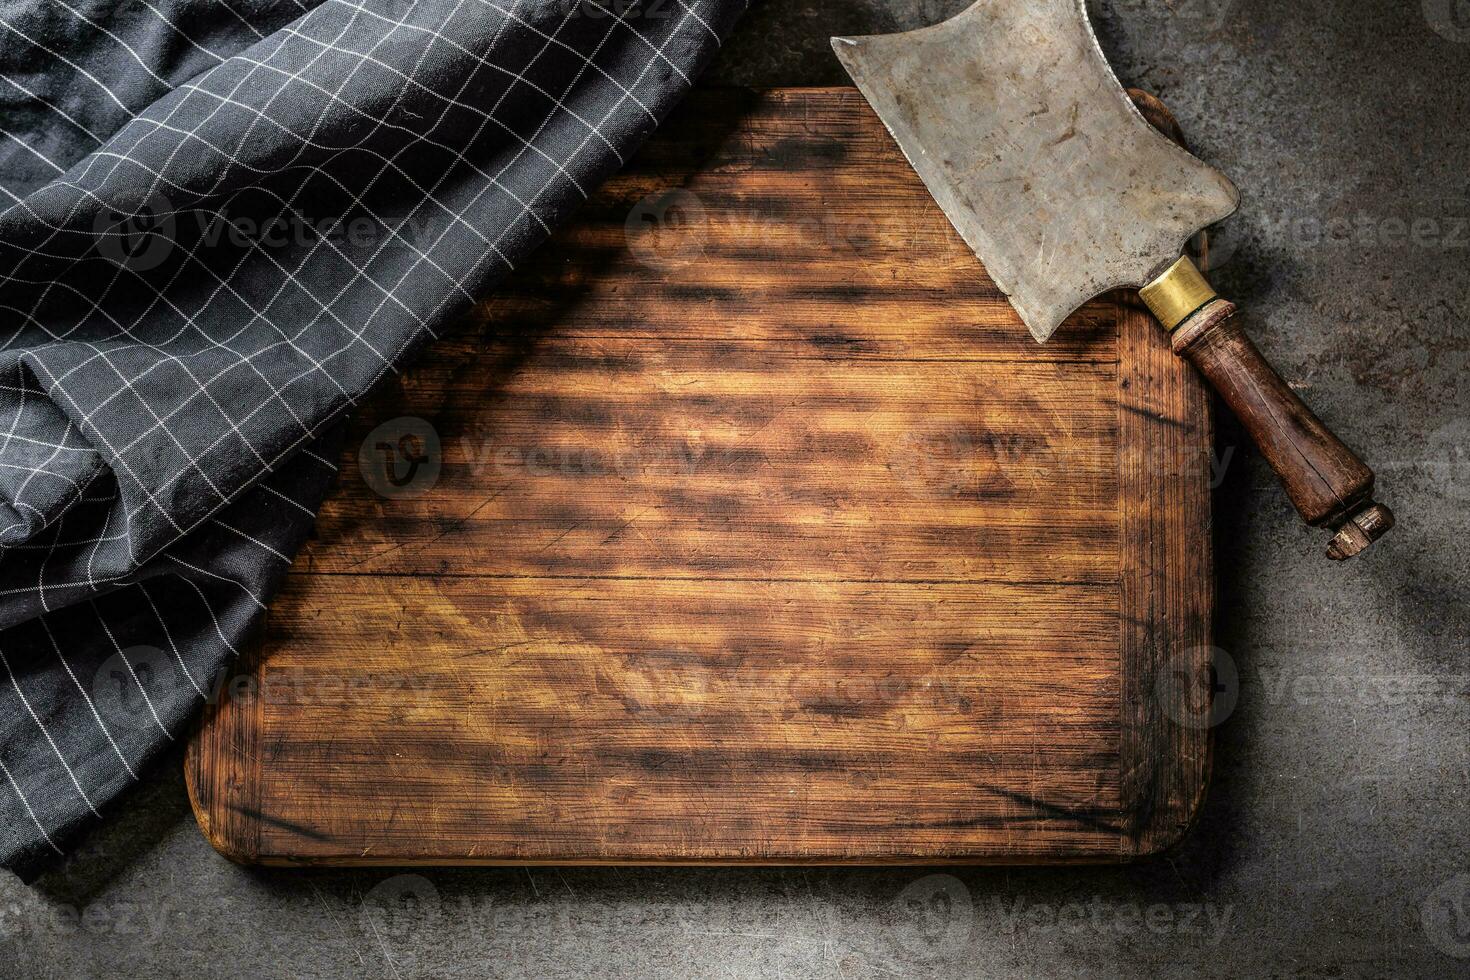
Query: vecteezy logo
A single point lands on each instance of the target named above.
(934, 464)
(1450, 19)
(666, 230)
(136, 235)
(399, 907)
(1445, 916)
(134, 687)
(1199, 688)
(933, 917)
(401, 458)
(1212, 248)
(1448, 459)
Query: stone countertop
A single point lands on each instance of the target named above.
(1335, 841)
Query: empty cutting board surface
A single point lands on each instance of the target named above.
(746, 523)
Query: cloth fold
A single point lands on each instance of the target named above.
(222, 223)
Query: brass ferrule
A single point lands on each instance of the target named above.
(1178, 292)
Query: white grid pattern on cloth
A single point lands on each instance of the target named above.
(167, 428)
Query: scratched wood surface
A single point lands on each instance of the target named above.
(744, 524)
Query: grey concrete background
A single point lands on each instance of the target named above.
(1335, 841)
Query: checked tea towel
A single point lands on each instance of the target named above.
(221, 221)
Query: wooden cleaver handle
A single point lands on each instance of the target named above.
(1330, 486)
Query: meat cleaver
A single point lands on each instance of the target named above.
(1014, 121)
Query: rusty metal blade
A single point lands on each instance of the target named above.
(1015, 122)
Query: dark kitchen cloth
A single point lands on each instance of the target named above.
(221, 221)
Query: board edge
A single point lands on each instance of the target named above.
(1166, 595)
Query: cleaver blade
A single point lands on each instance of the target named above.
(1018, 127)
(1015, 122)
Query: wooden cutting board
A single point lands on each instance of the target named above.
(744, 524)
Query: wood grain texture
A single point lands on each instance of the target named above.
(762, 533)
